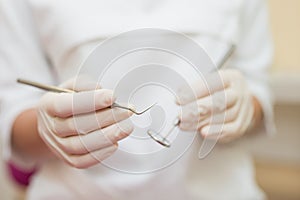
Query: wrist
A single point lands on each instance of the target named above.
(25, 139)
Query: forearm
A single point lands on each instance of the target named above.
(25, 138)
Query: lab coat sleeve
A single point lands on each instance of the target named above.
(20, 56)
(254, 55)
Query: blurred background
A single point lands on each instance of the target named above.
(277, 159)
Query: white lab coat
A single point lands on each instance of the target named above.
(44, 40)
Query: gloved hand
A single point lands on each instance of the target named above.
(224, 113)
(80, 128)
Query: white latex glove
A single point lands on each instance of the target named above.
(79, 127)
(224, 113)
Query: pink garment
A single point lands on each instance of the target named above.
(18, 175)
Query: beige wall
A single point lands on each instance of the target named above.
(278, 160)
(285, 23)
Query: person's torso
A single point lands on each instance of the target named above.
(69, 30)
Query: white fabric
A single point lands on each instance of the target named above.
(66, 31)
(20, 56)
